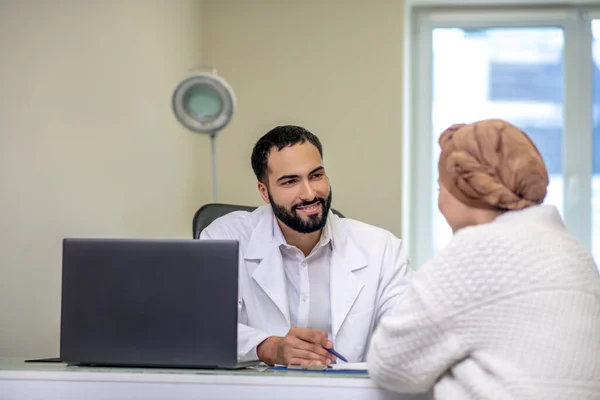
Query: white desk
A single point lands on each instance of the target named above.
(37, 381)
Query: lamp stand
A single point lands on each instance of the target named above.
(214, 165)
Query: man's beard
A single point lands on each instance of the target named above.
(291, 218)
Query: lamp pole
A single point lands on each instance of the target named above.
(213, 152)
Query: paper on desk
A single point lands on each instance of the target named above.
(350, 366)
(333, 368)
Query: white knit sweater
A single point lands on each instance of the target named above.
(508, 310)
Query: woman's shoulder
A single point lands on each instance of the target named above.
(513, 255)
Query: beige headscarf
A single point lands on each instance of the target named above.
(492, 164)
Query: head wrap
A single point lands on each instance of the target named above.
(492, 164)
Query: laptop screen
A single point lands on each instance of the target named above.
(163, 303)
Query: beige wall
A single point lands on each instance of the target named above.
(88, 144)
(333, 66)
(89, 147)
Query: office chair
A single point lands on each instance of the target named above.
(209, 212)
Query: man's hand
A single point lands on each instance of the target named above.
(301, 346)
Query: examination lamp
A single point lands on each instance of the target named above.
(204, 103)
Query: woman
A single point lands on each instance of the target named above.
(510, 309)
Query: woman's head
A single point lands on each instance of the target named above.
(486, 168)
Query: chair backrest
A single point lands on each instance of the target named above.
(209, 212)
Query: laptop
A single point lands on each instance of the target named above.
(150, 303)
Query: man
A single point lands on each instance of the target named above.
(308, 279)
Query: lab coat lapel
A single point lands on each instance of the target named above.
(345, 285)
(269, 273)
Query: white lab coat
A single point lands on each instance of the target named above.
(369, 270)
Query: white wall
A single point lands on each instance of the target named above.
(88, 143)
(333, 66)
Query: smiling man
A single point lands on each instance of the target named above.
(309, 280)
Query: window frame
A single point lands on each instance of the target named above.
(421, 17)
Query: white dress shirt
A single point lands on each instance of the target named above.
(307, 281)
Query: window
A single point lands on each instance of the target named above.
(537, 68)
(596, 140)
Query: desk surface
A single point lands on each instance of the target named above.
(19, 380)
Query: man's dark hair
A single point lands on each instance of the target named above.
(279, 137)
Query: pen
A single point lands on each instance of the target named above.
(338, 355)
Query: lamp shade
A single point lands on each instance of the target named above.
(204, 103)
